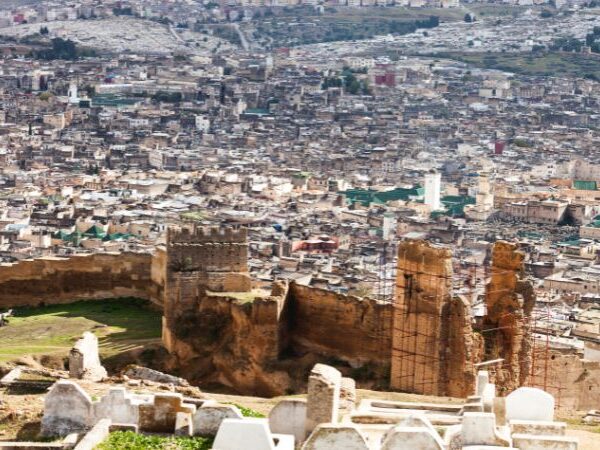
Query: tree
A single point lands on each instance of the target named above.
(468, 18)
(44, 31)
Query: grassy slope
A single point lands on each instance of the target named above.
(120, 324)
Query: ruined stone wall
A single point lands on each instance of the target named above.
(54, 280)
(574, 382)
(433, 347)
(509, 300)
(226, 340)
(338, 326)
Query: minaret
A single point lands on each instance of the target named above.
(73, 96)
(433, 181)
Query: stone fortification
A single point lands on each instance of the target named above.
(509, 299)
(62, 280)
(433, 345)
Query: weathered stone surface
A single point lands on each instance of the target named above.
(55, 280)
(575, 381)
(538, 427)
(323, 396)
(509, 300)
(119, 406)
(67, 409)
(250, 433)
(480, 429)
(529, 404)
(144, 373)
(533, 442)
(289, 417)
(347, 396)
(84, 359)
(160, 416)
(95, 436)
(183, 424)
(208, 418)
(412, 438)
(433, 345)
(336, 437)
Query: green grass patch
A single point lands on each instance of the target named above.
(554, 64)
(248, 412)
(120, 324)
(128, 440)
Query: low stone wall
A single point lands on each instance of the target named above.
(574, 382)
(55, 280)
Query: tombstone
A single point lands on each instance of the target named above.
(480, 429)
(417, 420)
(67, 409)
(119, 406)
(323, 396)
(483, 379)
(144, 373)
(528, 403)
(160, 415)
(412, 438)
(207, 419)
(183, 424)
(95, 436)
(250, 433)
(347, 396)
(533, 442)
(289, 417)
(538, 427)
(487, 397)
(84, 360)
(330, 436)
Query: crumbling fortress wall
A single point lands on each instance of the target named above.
(432, 338)
(61, 280)
(218, 330)
(506, 327)
(354, 330)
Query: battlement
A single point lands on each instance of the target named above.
(195, 235)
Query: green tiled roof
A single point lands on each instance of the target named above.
(585, 185)
(368, 196)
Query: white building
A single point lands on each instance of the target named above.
(433, 182)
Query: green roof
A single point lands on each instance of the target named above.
(368, 196)
(257, 111)
(95, 231)
(585, 185)
(455, 205)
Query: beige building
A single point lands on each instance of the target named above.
(536, 211)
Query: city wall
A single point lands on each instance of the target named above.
(355, 330)
(56, 280)
(574, 382)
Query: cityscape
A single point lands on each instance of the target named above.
(300, 224)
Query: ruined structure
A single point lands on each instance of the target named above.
(219, 330)
(214, 258)
(84, 360)
(506, 328)
(433, 344)
(54, 280)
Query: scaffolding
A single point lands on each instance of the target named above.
(421, 314)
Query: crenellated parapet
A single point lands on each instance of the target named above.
(197, 235)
